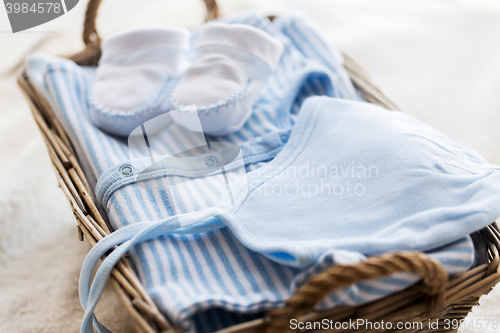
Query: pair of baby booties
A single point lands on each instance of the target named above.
(145, 73)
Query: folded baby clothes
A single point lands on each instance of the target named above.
(223, 82)
(355, 177)
(352, 180)
(135, 77)
(209, 280)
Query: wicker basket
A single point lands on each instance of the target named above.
(436, 297)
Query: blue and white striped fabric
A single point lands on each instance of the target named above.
(209, 280)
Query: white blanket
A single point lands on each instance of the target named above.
(436, 59)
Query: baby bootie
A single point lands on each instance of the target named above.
(135, 77)
(224, 80)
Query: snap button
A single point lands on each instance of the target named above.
(284, 137)
(127, 170)
(210, 162)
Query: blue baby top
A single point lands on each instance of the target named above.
(356, 177)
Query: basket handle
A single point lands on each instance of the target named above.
(91, 36)
(434, 284)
